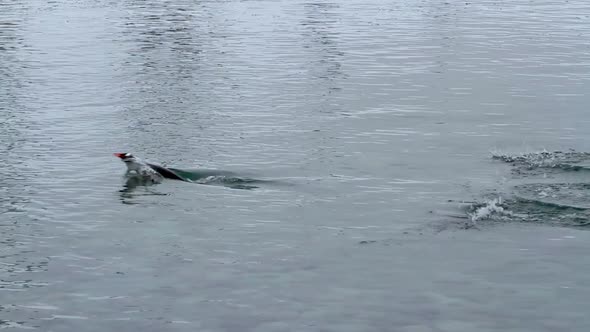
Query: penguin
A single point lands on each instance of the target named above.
(151, 172)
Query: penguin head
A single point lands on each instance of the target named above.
(133, 163)
(125, 156)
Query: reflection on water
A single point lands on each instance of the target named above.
(158, 36)
(320, 40)
(371, 113)
(136, 187)
(18, 229)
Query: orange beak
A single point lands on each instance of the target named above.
(120, 155)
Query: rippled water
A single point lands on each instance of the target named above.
(371, 120)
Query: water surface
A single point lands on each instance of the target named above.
(380, 116)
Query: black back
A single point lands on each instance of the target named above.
(166, 173)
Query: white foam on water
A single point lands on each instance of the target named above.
(488, 210)
(542, 159)
(65, 317)
(40, 306)
(14, 325)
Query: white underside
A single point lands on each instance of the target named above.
(137, 168)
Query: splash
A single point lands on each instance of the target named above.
(569, 160)
(519, 209)
(492, 209)
(217, 177)
(561, 199)
(567, 195)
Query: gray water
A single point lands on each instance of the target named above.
(373, 122)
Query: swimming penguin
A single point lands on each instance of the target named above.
(151, 172)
